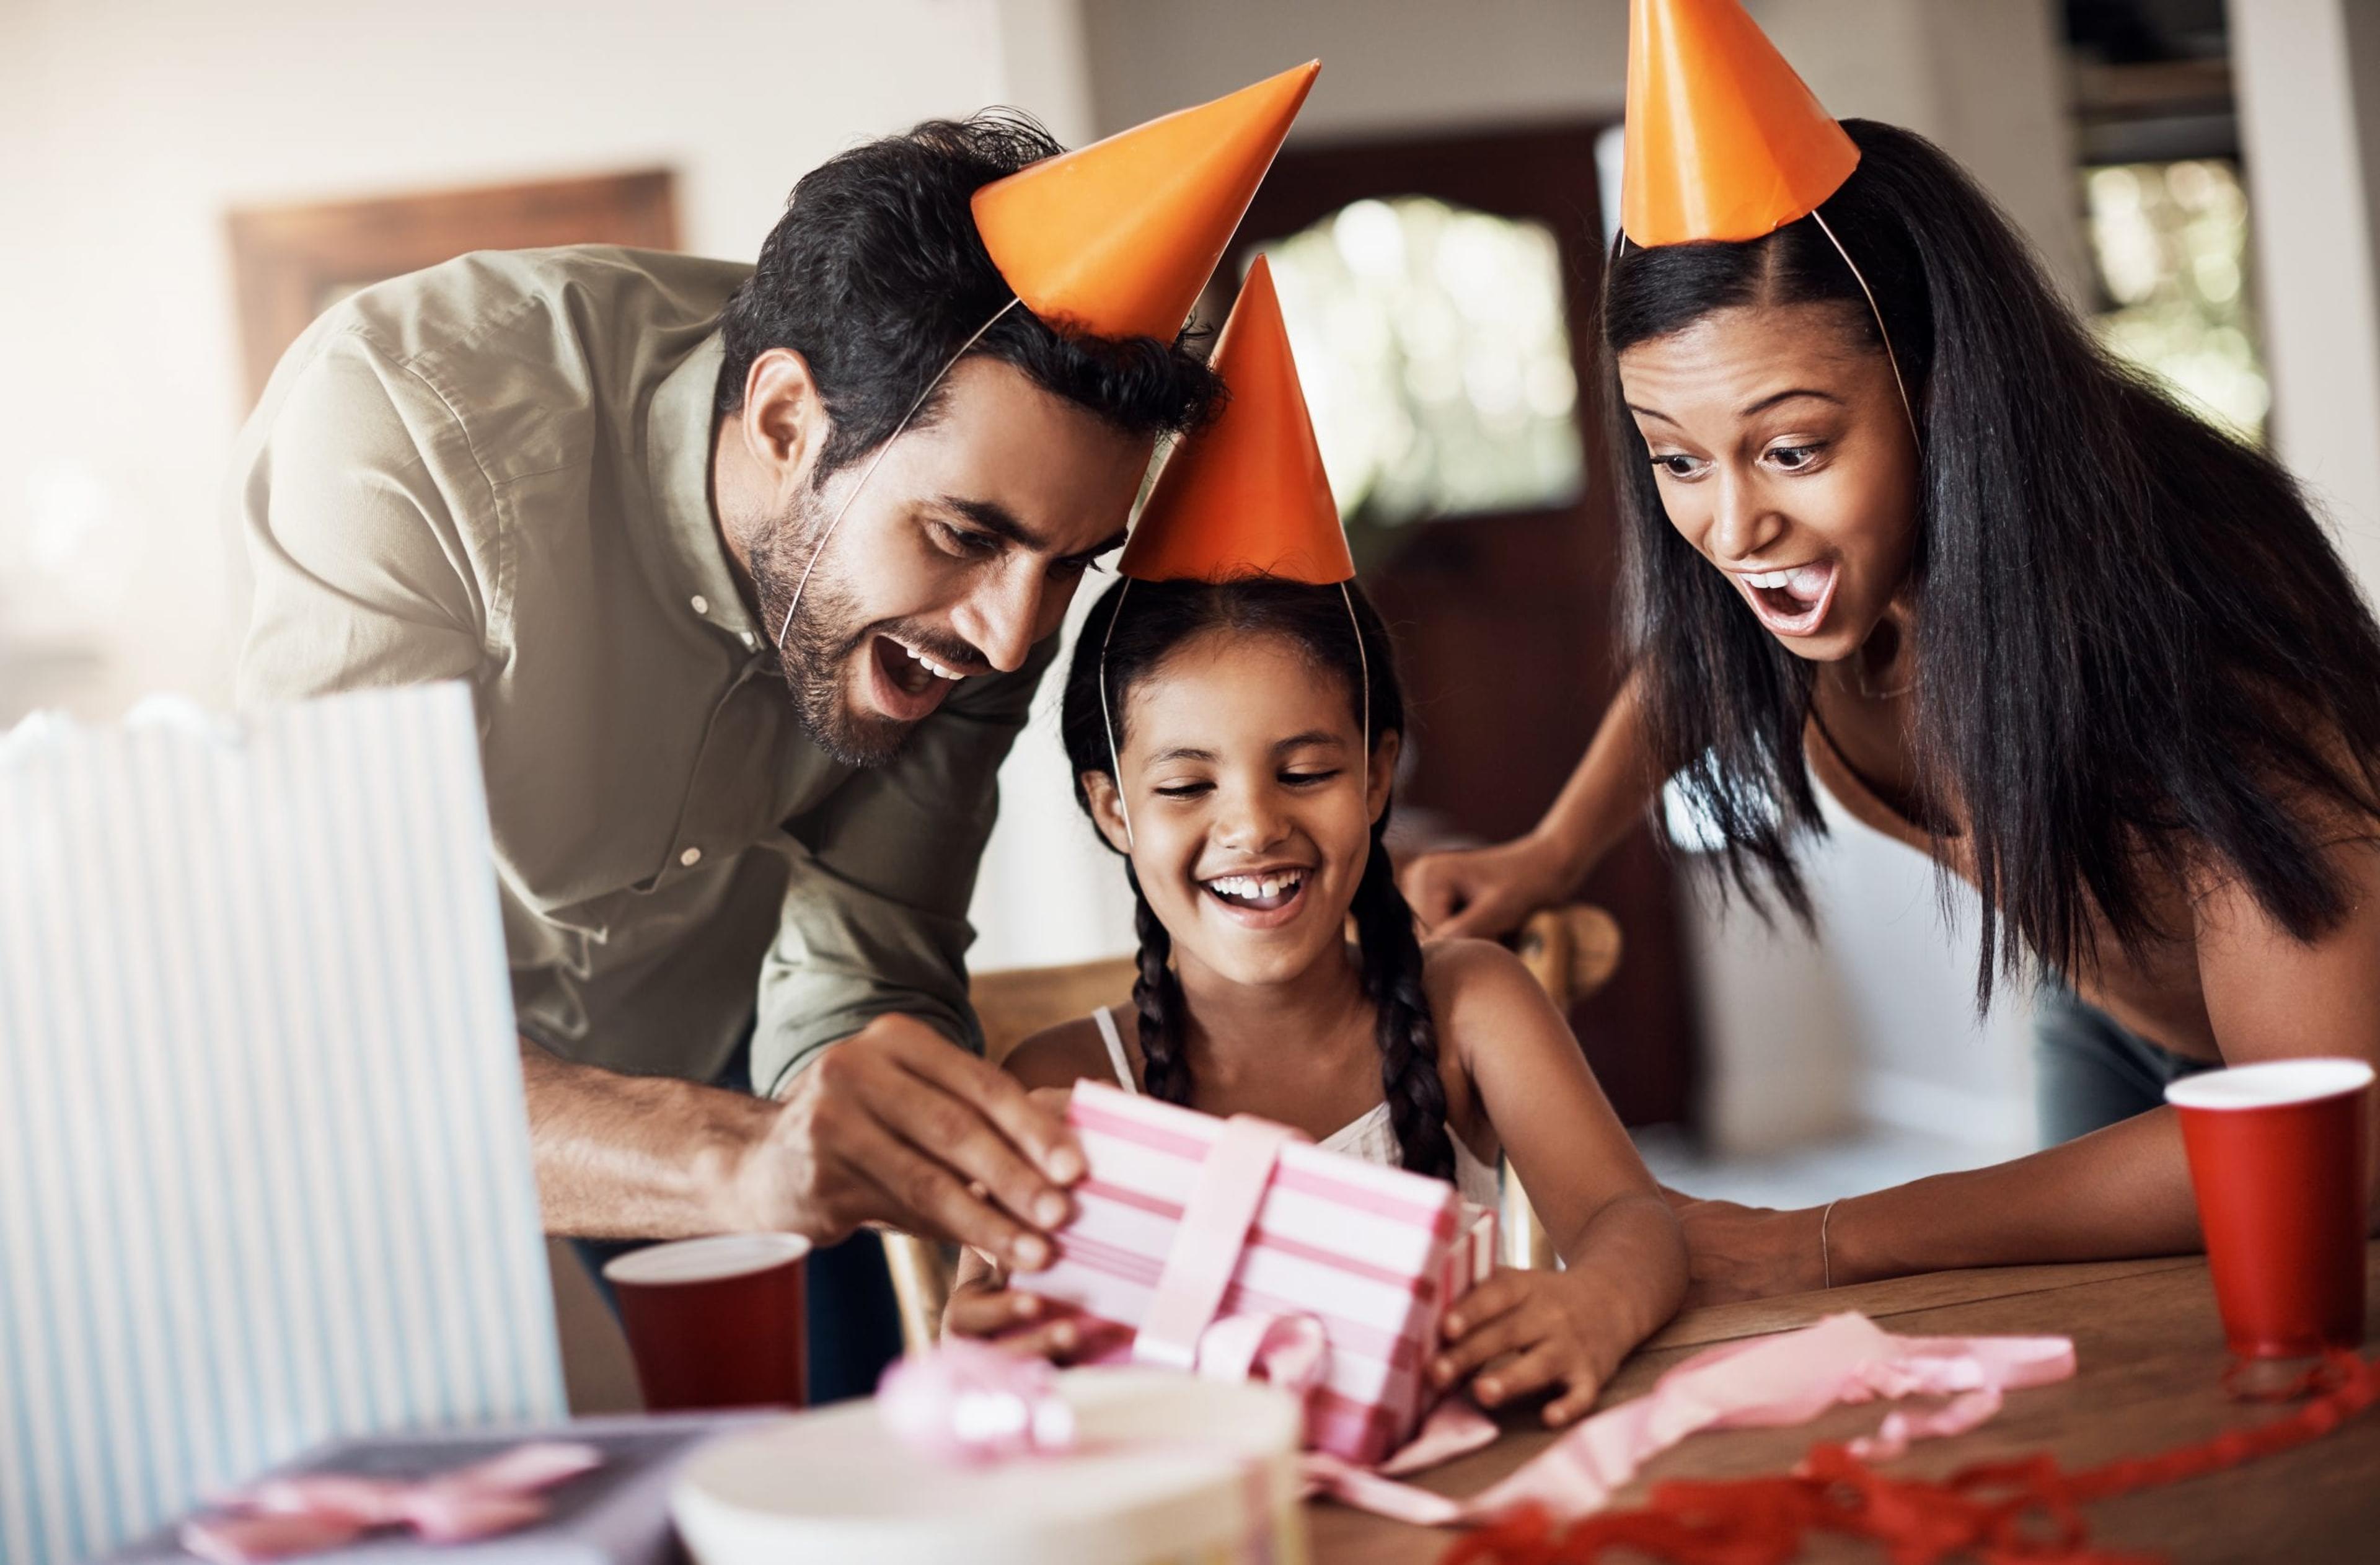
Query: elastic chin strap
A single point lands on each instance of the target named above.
(1107, 716)
(874, 462)
(1363, 680)
(1908, 409)
(1364, 674)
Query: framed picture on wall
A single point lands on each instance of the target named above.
(289, 263)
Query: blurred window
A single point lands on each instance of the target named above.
(2170, 243)
(1435, 357)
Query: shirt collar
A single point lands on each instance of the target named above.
(679, 432)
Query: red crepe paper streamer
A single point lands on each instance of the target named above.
(2026, 1511)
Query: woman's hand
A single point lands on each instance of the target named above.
(1547, 1328)
(986, 1308)
(1736, 1252)
(1487, 892)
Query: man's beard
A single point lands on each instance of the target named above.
(820, 646)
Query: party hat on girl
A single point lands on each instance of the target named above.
(1723, 140)
(1246, 495)
(1118, 239)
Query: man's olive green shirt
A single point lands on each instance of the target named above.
(498, 470)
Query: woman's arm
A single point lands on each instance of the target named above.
(1487, 892)
(1625, 1262)
(2121, 1192)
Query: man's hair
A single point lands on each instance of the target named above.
(876, 275)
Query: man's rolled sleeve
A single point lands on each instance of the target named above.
(875, 912)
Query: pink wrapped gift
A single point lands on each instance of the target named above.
(1193, 1235)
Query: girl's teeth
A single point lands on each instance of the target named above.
(1807, 581)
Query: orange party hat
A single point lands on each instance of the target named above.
(1246, 496)
(1118, 238)
(1723, 140)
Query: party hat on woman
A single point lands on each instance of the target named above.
(1723, 140)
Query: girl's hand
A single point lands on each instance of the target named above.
(1486, 892)
(1009, 1318)
(1557, 1328)
(1747, 1251)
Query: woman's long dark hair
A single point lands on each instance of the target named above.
(2137, 651)
(1156, 619)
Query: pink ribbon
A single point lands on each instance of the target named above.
(1767, 1382)
(317, 1511)
(1216, 1218)
(969, 1401)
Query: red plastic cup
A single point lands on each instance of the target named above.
(2278, 1159)
(715, 1322)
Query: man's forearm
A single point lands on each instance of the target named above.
(2117, 1193)
(635, 1156)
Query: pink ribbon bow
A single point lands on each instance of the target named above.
(317, 1511)
(969, 1401)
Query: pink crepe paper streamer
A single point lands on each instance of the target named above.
(1767, 1382)
(309, 1512)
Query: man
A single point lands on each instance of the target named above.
(594, 483)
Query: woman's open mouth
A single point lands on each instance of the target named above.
(1262, 900)
(1792, 601)
(906, 685)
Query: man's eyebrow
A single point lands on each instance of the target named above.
(994, 517)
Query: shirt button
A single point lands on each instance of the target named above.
(701, 604)
(751, 642)
(691, 857)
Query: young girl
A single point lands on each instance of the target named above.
(1250, 804)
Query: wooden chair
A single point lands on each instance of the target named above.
(1571, 951)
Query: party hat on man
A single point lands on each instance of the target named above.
(1246, 496)
(1118, 239)
(1723, 140)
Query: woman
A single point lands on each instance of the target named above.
(1895, 527)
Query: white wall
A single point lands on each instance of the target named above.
(2309, 89)
(133, 125)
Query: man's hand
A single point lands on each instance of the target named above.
(896, 1125)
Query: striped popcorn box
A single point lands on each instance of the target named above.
(1376, 1255)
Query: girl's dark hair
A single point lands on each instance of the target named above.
(1156, 619)
(2137, 651)
(876, 275)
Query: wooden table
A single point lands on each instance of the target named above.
(2149, 1347)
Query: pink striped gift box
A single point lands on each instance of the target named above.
(1374, 1254)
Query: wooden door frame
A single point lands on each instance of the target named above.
(286, 259)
